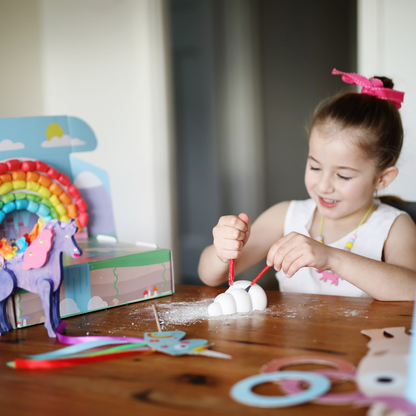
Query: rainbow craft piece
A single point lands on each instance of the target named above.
(77, 352)
(34, 186)
(169, 342)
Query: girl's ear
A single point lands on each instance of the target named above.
(387, 177)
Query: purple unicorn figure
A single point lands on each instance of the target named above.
(39, 270)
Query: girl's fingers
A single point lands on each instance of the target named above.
(293, 252)
(278, 250)
(230, 235)
(294, 265)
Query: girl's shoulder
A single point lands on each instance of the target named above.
(301, 209)
(388, 212)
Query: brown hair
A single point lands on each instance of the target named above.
(377, 123)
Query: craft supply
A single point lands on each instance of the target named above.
(238, 299)
(156, 317)
(279, 364)
(45, 279)
(242, 391)
(295, 386)
(68, 362)
(25, 176)
(257, 278)
(167, 342)
(383, 370)
(231, 271)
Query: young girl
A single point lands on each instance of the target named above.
(341, 241)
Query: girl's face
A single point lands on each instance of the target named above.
(339, 177)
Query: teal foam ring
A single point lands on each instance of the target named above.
(242, 391)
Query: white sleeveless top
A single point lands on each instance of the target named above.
(369, 243)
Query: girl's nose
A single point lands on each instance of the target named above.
(325, 184)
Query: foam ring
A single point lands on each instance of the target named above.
(295, 386)
(242, 391)
(277, 365)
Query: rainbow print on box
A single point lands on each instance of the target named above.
(40, 177)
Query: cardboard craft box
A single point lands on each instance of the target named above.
(107, 274)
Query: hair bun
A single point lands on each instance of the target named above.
(387, 82)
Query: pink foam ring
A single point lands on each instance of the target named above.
(64, 180)
(40, 166)
(36, 255)
(73, 191)
(337, 363)
(81, 204)
(291, 386)
(13, 164)
(3, 168)
(83, 218)
(28, 166)
(52, 173)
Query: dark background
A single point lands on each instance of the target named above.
(299, 43)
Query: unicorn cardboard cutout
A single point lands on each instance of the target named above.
(38, 269)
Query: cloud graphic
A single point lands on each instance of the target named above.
(68, 307)
(87, 180)
(237, 299)
(96, 302)
(9, 145)
(63, 141)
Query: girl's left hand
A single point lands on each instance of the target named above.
(294, 251)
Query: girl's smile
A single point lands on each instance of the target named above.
(339, 177)
(328, 203)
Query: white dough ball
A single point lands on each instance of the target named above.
(214, 309)
(227, 303)
(242, 299)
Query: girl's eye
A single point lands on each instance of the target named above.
(345, 178)
(314, 168)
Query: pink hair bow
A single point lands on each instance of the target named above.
(373, 86)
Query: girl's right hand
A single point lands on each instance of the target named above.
(231, 235)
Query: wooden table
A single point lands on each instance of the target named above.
(158, 384)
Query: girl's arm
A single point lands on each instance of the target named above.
(392, 279)
(235, 238)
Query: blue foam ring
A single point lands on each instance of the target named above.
(2, 216)
(32, 206)
(48, 218)
(43, 210)
(242, 391)
(21, 204)
(9, 207)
